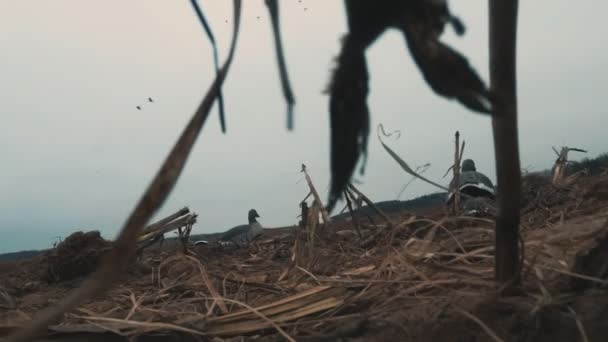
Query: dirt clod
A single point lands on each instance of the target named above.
(76, 256)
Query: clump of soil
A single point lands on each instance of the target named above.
(76, 256)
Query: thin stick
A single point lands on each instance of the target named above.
(136, 304)
(579, 324)
(456, 171)
(575, 275)
(310, 274)
(352, 214)
(316, 195)
(403, 164)
(481, 324)
(155, 325)
(208, 283)
(371, 204)
(262, 316)
(158, 230)
(422, 169)
(166, 220)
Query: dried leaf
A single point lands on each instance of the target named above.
(446, 71)
(216, 62)
(404, 165)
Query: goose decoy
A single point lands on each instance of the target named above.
(476, 185)
(138, 107)
(245, 233)
(150, 99)
(472, 182)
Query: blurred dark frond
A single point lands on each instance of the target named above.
(349, 116)
(273, 10)
(216, 62)
(444, 69)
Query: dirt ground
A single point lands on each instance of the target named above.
(422, 277)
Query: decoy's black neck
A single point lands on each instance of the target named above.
(252, 216)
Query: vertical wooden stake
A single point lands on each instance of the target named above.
(313, 222)
(304, 214)
(503, 37)
(559, 168)
(324, 213)
(456, 171)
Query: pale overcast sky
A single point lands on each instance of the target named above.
(76, 153)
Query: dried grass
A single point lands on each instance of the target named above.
(423, 268)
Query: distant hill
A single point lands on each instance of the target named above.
(593, 166)
(22, 255)
(208, 237)
(418, 203)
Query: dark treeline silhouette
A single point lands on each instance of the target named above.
(418, 203)
(593, 166)
(22, 255)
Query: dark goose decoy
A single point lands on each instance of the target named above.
(244, 234)
(474, 184)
